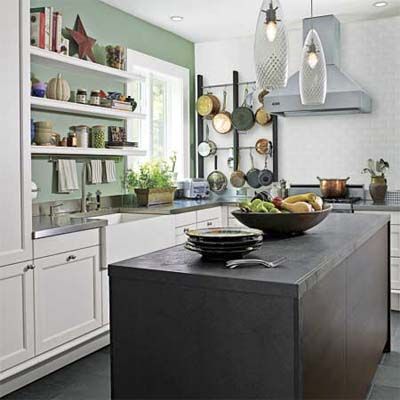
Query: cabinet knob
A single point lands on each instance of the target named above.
(30, 267)
(71, 258)
(209, 223)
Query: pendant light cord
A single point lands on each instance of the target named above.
(312, 14)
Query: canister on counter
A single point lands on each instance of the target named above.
(98, 136)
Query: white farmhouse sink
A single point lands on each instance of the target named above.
(119, 218)
(132, 235)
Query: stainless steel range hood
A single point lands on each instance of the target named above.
(344, 96)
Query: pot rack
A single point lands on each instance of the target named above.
(235, 84)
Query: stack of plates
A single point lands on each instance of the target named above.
(224, 243)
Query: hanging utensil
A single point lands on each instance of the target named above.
(266, 176)
(222, 122)
(238, 177)
(208, 147)
(208, 105)
(263, 146)
(253, 174)
(217, 180)
(243, 118)
(263, 118)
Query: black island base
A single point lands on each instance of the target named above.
(316, 327)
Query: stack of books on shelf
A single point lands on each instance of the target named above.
(116, 104)
(46, 30)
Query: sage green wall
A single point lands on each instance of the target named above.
(108, 26)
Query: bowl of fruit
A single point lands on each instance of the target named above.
(290, 216)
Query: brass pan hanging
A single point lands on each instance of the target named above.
(208, 105)
(222, 122)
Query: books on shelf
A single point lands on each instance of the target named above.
(46, 28)
(116, 105)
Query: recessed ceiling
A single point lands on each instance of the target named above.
(210, 20)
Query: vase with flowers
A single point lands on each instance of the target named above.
(378, 185)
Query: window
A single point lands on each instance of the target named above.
(164, 98)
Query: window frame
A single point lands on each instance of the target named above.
(155, 68)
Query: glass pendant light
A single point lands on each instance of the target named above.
(313, 73)
(271, 47)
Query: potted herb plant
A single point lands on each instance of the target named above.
(152, 183)
(378, 186)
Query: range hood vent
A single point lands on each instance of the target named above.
(344, 96)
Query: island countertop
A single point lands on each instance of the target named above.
(310, 257)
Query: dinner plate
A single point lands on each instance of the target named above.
(226, 246)
(221, 254)
(224, 234)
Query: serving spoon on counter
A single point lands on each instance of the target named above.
(232, 264)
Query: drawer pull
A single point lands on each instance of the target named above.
(30, 267)
(71, 258)
(209, 223)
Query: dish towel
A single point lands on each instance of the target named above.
(111, 171)
(67, 176)
(95, 171)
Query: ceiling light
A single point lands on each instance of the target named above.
(176, 18)
(313, 73)
(271, 47)
(381, 4)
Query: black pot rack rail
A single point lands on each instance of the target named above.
(235, 84)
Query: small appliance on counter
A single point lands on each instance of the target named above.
(196, 188)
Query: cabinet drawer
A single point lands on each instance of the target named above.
(180, 236)
(185, 219)
(68, 293)
(62, 243)
(233, 222)
(209, 214)
(395, 241)
(395, 273)
(213, 223)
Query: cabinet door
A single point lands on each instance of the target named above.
(16, 315)
(395, 273)
(395, 240)
(67, 297)
(105, 299)
(15, 180)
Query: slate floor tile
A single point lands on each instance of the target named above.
(392, 360)
(387, 376)
(384, 393)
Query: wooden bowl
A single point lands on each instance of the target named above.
(282, 224)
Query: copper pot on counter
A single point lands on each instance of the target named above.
(333, 188)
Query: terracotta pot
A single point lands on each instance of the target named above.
(153, 197)
(378, 189)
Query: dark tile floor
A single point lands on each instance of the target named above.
(89, 378)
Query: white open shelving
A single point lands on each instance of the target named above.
(79, 151)
(65, 107)
(68, 63)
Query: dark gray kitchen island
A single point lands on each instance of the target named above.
(316, 327)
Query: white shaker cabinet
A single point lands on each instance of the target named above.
(15, 176)
(16, 315)
(67, 292)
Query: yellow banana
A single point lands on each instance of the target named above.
(308, 197)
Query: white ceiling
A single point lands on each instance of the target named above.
(210, 20)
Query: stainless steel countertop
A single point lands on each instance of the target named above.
(368, 205)
(62, 224)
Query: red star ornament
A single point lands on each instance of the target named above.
(84, 42)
